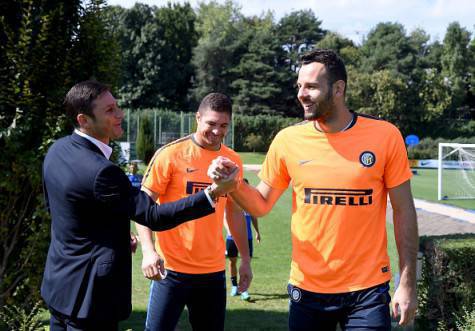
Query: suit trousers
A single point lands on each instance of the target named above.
(59, 322)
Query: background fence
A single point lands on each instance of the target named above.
(165, 127)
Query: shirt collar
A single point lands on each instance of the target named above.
(105, 149)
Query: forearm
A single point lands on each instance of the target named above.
(255, 224)
(237, 228)
(407, 242)
(169, 215)
(146, 237)
(252, 199)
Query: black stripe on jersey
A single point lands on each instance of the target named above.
(161, 149)
(355, 118)
(371, 117)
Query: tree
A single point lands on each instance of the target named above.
(388, 47)
(456, 57)
(145, 146)
(383, 95)
(214, 54)
(297, 32)
(39, 44)
(257, 82)
(157, 45)
(344, 46)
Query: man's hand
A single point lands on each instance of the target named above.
(224, 174)
(258, 237)
(152, 265)
(133, 242)
(405, 301)
(245, 275)
(221, 169)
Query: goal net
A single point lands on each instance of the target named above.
(456, 174)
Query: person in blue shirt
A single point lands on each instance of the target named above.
(232, 252)
(135, 179)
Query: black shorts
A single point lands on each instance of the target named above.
(232, 250)
(362, 310)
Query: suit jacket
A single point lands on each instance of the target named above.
(90, 199)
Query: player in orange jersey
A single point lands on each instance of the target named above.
(344, 167)
(193, 256)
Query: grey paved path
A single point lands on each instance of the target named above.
(436, 224)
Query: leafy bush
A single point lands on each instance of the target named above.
(447, 286)
(254, 142)
(19, 318)
(247, 129)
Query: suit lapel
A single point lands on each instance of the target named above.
(86, 143)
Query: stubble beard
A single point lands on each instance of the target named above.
(319, 110)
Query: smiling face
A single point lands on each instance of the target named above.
(105, 124)
(212, 127)
(314, 92)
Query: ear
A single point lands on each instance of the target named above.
(339, 88)
(83, 120)
(197, 116)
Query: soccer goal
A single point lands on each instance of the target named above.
(456, 174)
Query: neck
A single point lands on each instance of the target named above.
(202, 143)
(93, 135)
(334, 122)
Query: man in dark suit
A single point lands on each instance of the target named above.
(87, 278)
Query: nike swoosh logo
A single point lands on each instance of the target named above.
(302, 162)
(188, 170)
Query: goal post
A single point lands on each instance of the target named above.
(456, 171)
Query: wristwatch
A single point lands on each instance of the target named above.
(212, 193)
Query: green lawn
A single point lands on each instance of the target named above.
(271, 265)
(252, 158)
(269, 305)
(424, 186)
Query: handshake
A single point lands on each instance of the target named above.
(224, 174)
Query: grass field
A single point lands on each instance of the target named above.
(269, 305)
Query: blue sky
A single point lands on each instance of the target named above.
(354, 19)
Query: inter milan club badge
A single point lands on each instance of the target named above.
(296, 294)
(367, 159)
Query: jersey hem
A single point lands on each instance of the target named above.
(348, 289)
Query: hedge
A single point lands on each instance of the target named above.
(447, 286)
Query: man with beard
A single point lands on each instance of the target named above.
(342, 166)
(193, 256)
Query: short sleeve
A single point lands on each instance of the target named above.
(396, 170)
(158, 173)
(274, 169)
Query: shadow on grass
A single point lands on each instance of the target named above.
(256, 297)
(135, 322)
(238, 319)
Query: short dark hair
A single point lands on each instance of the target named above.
(334, 65)
(80, 98)
(217, 102)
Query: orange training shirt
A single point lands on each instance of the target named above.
(176, 171)
(340, 183)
